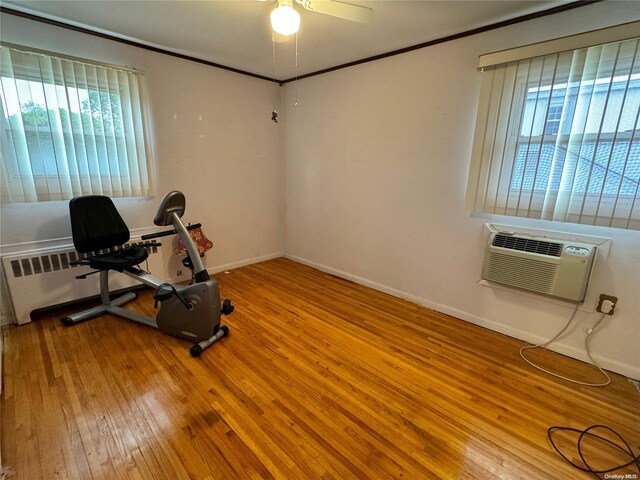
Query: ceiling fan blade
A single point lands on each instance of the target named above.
(348, 11)
(278, 37)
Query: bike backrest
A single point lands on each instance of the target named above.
(96, 224)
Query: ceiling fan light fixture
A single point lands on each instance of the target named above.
(284, 19)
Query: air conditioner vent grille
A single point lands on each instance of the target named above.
(527, 273)
(528, 245)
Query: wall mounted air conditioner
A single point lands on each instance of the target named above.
(559, 268)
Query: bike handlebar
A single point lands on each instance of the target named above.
(166, 233)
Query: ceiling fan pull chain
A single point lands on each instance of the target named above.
(296, 102)
(274, 112)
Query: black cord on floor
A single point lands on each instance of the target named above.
(635, 459)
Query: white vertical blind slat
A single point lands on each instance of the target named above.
(584, 206)
(634, 210)
(135, 99)
(132, 154)
(14, 142)
(119, 134)
(54, 118)
(634, 67)
(608, 110)
(510, 77)
(554, 59)
(498, 85)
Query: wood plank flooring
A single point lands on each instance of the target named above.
(319, 378)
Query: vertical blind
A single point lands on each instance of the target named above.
(70, 128)
(557, 137)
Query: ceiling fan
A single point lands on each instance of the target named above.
(285, 20)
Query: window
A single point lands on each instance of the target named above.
(558, 137)
(553, 119)
(70, 128)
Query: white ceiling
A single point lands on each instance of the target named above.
(237, 33)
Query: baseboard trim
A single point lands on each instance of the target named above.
(244, 263)
(607, 363)
(230, 266)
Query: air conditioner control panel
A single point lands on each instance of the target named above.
(577, 251)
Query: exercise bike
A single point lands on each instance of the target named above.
(191, 312)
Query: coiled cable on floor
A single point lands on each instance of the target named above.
(586, 467)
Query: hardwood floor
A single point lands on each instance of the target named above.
(319, 378)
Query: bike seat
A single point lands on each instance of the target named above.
(119, 259)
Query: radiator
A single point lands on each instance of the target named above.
(39, 279)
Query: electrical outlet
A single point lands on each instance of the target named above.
(604, 297)
(179, 273)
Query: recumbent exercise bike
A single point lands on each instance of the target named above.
(191, 312)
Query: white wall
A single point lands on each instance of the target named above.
(212, 138)
(376, 163)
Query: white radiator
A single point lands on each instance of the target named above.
(559, 268)
(43, 278)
